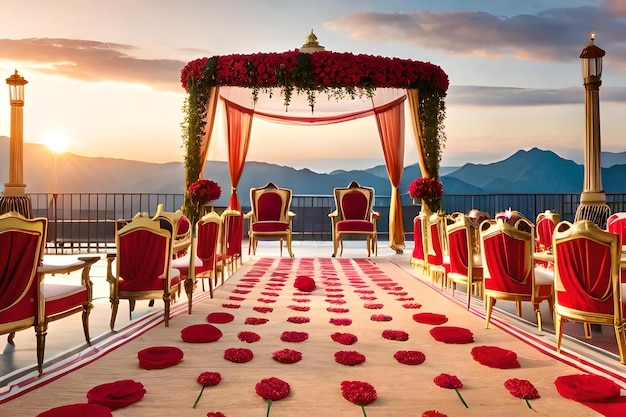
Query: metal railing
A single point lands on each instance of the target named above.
(85, 222)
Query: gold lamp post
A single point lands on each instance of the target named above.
(14, 197)
(593, 199)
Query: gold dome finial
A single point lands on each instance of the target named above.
(311, 45)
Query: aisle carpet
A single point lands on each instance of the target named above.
(375, 302)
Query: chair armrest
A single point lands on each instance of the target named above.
(248, 215)
(291, 214)
(333, 214)
(375, 215)
(110, 277)
(84, 262)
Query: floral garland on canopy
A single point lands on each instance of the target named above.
(338, 75)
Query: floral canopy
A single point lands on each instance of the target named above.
(377, 86)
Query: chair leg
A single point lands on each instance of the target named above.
(289, 246)
(41, 331)
(114, 306)
(558, 330)
(10, 339)
(368, 243)
(538, 316)
(167, 301)
(189, 287)
(587, 327)
(621, 342)
(86, 310)
(488, 307)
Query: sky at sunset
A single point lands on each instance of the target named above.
(104, 75)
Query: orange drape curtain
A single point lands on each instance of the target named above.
(390, 122)
(211, 108)
(413, 99)
(239, 124)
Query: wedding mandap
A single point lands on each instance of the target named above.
(286, 87)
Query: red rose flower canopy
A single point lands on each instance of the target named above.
(373, 86)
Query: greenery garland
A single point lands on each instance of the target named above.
(338, 75)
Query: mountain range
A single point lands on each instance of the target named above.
(531, 171)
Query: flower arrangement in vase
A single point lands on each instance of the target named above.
(202, 193)
(429, 190)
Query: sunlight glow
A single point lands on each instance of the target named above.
(56, 142)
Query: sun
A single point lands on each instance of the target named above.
(56, 142)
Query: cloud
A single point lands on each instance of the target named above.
(509, 96)
(92, 61)
(555, 35)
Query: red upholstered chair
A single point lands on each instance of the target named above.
(206, 250)
(418, 257)
(437, 259)
(544, 229)
(587, 279)
(232, 240)
(616, 223)
(143, 265)
(465, 265)
(26, 300)
(270, 216)
(509, 272)
(354, 216)
(182, 227)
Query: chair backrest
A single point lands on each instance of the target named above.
(208, 233)
(354, 202)
(270, 203)
(544, 229)
(478, 216)
(419, 223)
(507, 258)
(616, 223)
(436, 239)
(461, 235)
(144, 253)
(233, 232)
(22, 243)
(587, 268)
(509, 216)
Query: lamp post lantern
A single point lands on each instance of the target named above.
(593, 199)
(14, 197)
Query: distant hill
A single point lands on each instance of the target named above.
(532, 171)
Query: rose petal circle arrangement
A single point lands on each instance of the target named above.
(410, 357)
(159, 357)
(287, 356)
(238, 355)
(117, 394)
(294, 337)
(344, 338)
(349, 357)
(248, 337)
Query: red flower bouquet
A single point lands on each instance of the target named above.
(522, 388)
(430, 190)
(207, 379)
(349, 357)
(287, 356)
(272, 389)
(202, 192)
(359, 392)
(238, 355)
(450, 382)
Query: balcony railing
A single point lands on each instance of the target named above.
(86, 222)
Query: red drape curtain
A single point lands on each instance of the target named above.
(239, 124)
(412, 95)
(211, 107)
(390, 122)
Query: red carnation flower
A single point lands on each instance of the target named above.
(338, 310)
(272, 389)
(400, 335)
(340, 322)
(255, 321)
(409, 357)
(263, 309)
(359, 392)
(380, 317)
(248, 337)
(238, 355)
(294, 337)
(522, 388)
(373, 306)
(298, 320)
(207, 379)
(299, 308)
(349, 357)
(287, 356)
(433, 413)
(450, 382)
(344, 338)
(412, 305)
